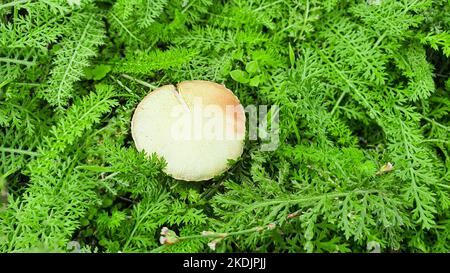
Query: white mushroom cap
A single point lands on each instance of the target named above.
(196, 127)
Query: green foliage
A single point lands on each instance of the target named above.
(72, 55)
(145, 63)
(363, 159)
(143, 11)
(441, 40)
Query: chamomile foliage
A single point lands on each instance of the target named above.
(363, 159)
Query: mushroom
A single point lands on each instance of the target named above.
(197, 127)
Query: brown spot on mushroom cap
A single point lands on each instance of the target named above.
(213, 93)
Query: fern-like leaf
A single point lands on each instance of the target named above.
(87, 34)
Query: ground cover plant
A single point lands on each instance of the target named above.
(363, 161)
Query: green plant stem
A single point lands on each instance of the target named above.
(221, 235)
(125, 28)
(13, 3)
(132, 94)
(338, 102)
(18, 151)
(8, 60)
(268, 5)
(363, 100)
(437, 123)
(307, 199)
(146, 84)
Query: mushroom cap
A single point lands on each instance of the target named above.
(196, 127)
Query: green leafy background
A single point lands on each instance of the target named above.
(362, 85)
